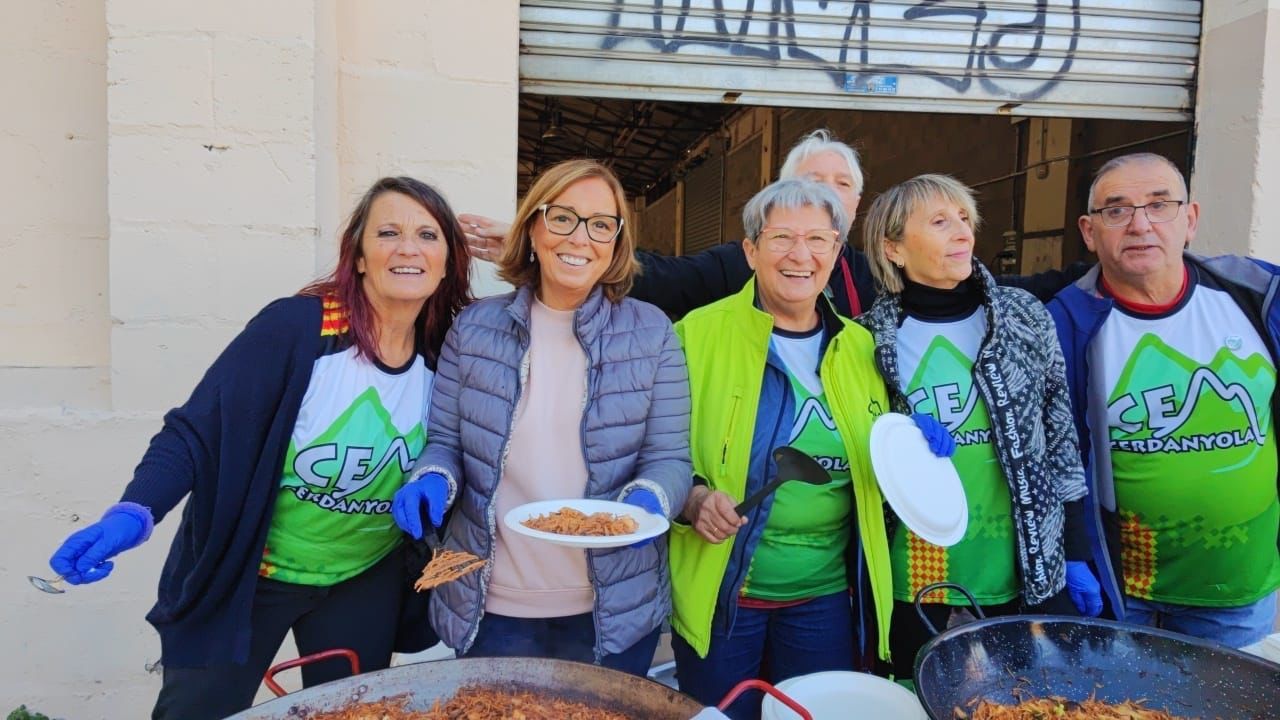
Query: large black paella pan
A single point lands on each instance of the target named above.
(1009, 659)
(425, 683)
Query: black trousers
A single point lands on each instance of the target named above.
(359, 613)
(907, 634)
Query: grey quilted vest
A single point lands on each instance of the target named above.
(635, 431)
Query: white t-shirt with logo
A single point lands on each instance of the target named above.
(1183, 402)
(935, 359)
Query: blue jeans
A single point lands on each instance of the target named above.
(797, 640)
(562, 638)
(1232, 626)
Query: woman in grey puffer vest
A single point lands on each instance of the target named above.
(984, 360)
(563, 389)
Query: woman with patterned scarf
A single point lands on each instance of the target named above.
(985, 361)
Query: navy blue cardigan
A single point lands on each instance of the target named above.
(225, 449)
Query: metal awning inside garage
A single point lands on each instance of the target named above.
(1124, 59)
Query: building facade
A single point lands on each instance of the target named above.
(172, 166)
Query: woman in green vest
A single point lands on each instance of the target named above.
(774, 365)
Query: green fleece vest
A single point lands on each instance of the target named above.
(726, 345)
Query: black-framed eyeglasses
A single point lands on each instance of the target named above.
(1121, 215)
(820, 241)
(561, 220)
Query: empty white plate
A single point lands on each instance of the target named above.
(922, 488)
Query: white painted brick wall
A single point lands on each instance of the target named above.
(78, 655)
(208, 273)
(54, 288)
(53, 221)
(241, 180)
(161, 82)
(1235, 179)
(264, 86)
(304, 103)
(212, 181)
(276, 19)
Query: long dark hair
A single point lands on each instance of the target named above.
(345, 285)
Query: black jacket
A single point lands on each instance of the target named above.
(680, 284)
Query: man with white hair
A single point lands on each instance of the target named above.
(1171, 364)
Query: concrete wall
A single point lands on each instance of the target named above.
(171, 168)
(53, 231)
(1237, 162)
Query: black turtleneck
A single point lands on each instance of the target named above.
(931, 303)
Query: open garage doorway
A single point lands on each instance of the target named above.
(690, 167)
(697, 102)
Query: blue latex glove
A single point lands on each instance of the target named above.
(431, 490)
(1086, 593)
(940, 441)
(85, 556)
(647, 501)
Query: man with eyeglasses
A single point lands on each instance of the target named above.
(1171, 364)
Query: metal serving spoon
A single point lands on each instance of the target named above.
(56, 586)
(792, 465)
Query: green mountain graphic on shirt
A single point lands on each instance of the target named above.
(943, 387)
(334, 487)
(983, 561)
(1165, 402)
(1194, 464)
(388, 451)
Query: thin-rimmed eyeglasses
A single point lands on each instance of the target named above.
(1121, 215)
(820, 241)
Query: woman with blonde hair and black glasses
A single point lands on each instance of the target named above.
(564, 388)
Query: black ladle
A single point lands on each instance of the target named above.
(792, 465)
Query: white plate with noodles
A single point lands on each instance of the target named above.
(585, 523)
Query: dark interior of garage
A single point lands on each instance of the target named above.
(690, 167)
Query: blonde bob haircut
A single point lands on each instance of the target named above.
(886, 221)
(516, 266)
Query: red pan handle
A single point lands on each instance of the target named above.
(273, 686)
(754, 684)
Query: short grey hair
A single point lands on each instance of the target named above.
(886, 221)
(818, 142)
(792, 195)
(1116, 163)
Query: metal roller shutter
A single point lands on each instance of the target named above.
(1127, 59)
(703, 189)
(741, 183)
(658, 225)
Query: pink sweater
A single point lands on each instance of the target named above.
(532, 578)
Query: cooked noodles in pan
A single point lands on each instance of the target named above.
(1056, 708)
(475, 703)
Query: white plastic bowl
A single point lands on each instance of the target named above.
(839, 695)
